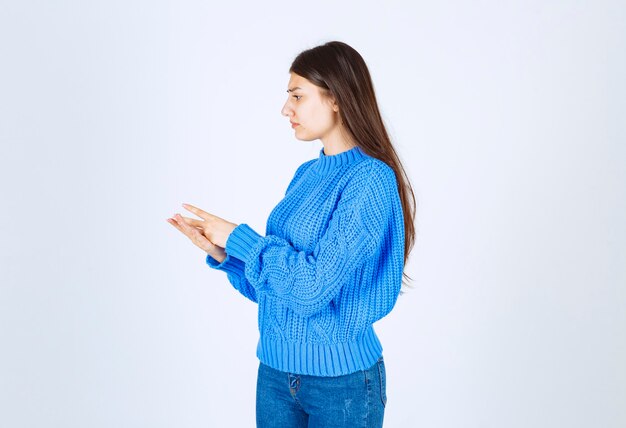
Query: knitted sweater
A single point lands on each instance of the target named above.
(328, 267)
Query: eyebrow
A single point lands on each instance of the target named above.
(293, 89)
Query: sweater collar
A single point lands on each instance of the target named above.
(327, 163)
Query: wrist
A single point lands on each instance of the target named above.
(217, 253)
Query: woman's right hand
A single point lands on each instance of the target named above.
(197, 237)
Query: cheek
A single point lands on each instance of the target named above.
(313, 117)
(325, 120)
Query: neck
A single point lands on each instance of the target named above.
(337, 141)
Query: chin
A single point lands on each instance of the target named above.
(305, 138)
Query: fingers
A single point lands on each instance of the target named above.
(208, 231)
(191, 232)
(197, 211)
(178, 225)
(183, 224)
(174, 223)
(193, 222)
(180, 222)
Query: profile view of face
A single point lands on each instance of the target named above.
(311, 115)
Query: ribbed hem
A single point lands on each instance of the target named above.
(241, 241)
(229, 265)
(321, 359)
(327, 163)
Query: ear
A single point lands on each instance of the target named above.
(332, 101)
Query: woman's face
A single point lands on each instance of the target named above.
(312, 115)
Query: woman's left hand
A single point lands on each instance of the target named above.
(216, 229)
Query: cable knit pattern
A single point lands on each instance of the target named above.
(329, 266)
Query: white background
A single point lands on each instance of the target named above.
(508, 115)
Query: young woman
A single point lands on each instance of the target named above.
(332, 259)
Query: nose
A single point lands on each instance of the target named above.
(286, 110)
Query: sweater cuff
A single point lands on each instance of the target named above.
(229, 265)
(241, 241)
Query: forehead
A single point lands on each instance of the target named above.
(297, 81)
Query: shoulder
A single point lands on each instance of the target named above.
(373, 172)
(374, 191)
(371, 185)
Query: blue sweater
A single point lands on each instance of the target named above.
(328, 267)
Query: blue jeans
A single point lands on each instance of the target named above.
(286, 400)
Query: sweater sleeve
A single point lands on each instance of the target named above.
(234, 269)
(307, 281)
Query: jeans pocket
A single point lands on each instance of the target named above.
(383, 380)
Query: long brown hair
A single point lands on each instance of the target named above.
(340, 72)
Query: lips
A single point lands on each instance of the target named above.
(294, 124)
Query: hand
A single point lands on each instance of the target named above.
(197, 238)
(210, 233)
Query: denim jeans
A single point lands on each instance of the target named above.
(286, 400)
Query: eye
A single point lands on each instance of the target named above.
(297, 97)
